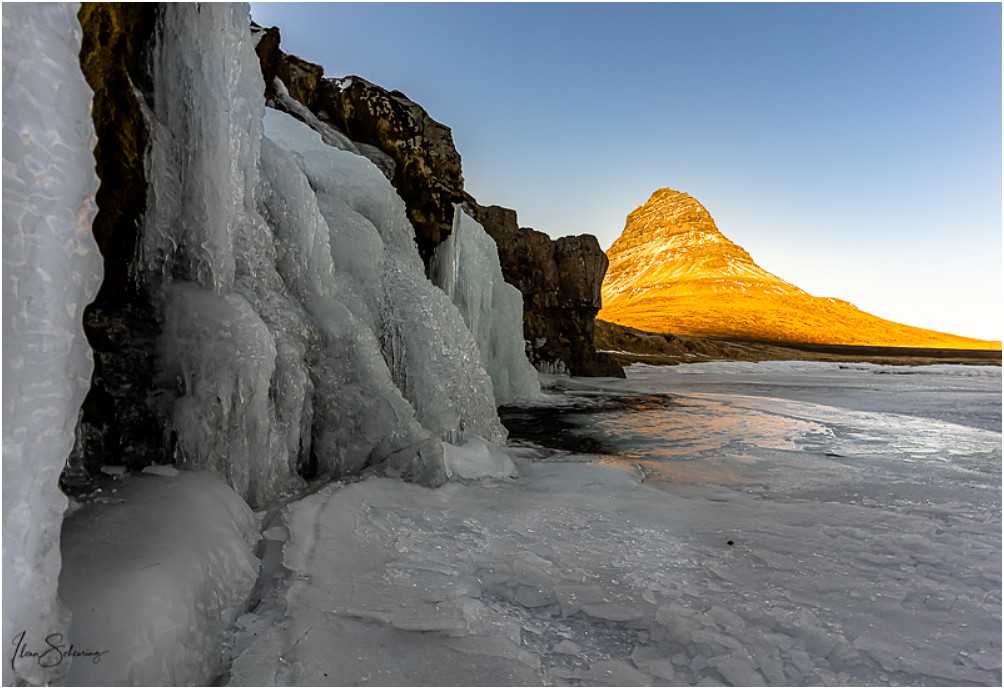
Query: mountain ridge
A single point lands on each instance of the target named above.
(672, 270)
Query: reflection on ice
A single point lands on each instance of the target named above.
(768, 541)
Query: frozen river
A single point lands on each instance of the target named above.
(739, 524)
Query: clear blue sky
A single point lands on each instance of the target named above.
(852, 149)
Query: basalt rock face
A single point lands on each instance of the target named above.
(302, 79)
(117, 424)
(673, 271)
(560, 281)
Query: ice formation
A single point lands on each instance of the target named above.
(466, 267)
(232, 359)
(51, 270)
(300, 335)
(205, 134)
(155, 574)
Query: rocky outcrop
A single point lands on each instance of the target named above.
(303, 79)
(560, 281)
(673, 271)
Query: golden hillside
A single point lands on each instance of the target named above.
(673, 271)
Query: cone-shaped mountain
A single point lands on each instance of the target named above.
(673, 271)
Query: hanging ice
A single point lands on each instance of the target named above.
(359, 415)
(205, 135)
(236, 383)
(51, 270)
(466, 267)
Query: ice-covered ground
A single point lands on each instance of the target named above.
(769, 524)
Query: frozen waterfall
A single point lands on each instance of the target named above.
(301, 335)
(363, 269)
(51, 270)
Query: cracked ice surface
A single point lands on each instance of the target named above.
(864, 550)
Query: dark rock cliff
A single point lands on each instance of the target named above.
(560, 279)
(118, 425)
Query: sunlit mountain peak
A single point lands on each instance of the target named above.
(672, 270)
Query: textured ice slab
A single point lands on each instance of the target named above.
(466, 267)
(51, 270)
(766, 557)
(154, 578)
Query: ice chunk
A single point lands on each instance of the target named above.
(476, 458)
(613, 673)
(154, 582)
(51, 270)
(568, 647)
(737, 670)
(160, 470)
(652, 661)
(423, 462)
(886, 653)
(573, 597)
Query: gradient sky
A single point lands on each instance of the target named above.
(852, 149)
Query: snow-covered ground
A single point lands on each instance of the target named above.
(777, 523)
